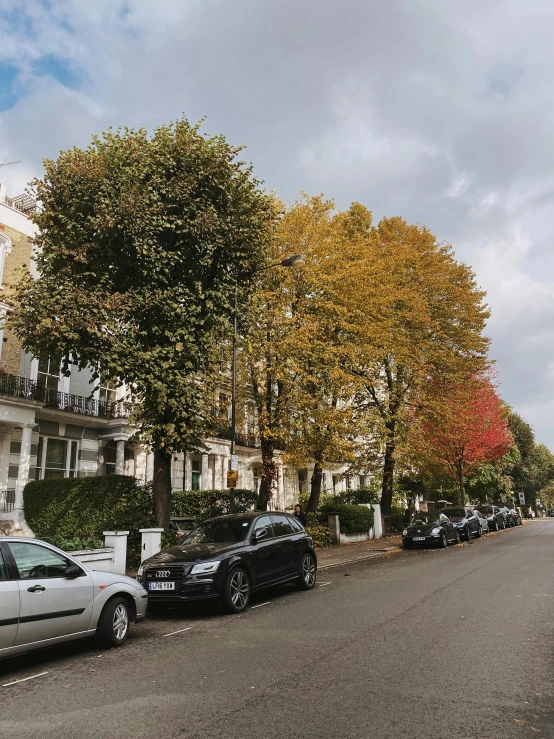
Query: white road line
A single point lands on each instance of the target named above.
(323, 584)
(24, 679)
(179, 632)
(262, 604)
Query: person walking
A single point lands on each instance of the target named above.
(299, 515)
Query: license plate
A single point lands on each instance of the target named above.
(419, 538)
(161, 586)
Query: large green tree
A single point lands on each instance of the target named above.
(141, 241)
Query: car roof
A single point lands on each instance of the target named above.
(247, 514)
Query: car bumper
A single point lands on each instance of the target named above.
(415, 540)
(188, 591)
(141, 604)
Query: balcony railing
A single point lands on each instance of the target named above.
(22, 387)
(7, 500)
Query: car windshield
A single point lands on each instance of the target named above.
(224, 531)
(454, 512)
(425, 519)
(486, 509)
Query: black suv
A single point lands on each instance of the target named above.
(229, 557)
(467, 523)
(493, 515)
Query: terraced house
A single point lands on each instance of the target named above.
(52, 426)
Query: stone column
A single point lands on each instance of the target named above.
(5, 442)
(281, 503)
(149, 466)
(120, 457)
(187, 485)
(24, 464)
(205, 470)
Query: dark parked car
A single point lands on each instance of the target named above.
(516, 516)
(228, 557)
(508, 518)
(493, 515)
(430, 528)
(465, 520)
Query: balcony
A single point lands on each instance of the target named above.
(23, 387)
(221, 429)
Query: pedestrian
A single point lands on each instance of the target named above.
(299, 515)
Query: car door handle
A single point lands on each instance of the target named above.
(36, 589)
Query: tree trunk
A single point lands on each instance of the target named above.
(388, 470)
(461, 486)
(315, 488)
(268, 473)
(161, 488)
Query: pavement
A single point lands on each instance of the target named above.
(423, 643)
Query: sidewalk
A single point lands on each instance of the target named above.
(347, 553)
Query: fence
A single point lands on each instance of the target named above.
(7, 500)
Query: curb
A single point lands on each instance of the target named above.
(378, 553)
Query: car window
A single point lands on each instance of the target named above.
(296, 525)
(444, 519)
(3, 568)
(34, 561)
(282, 526)
(264, 522)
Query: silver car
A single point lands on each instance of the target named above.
(485, 528)
(47, 597)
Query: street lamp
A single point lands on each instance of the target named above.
(296, 260)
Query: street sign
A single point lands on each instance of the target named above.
(232, 479)
(538, 501)
(521, 497)
(234, 462)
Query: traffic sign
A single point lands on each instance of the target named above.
(522, 497)
(234, 462)
(232, 476)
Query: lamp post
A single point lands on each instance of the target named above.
(297, 260)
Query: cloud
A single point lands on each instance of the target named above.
(438, 111)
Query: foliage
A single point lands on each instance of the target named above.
(141, 241)
(326, 498)
(76, 544)
(169, 539)
(353, 518)
(85, 507)
(320, 534)
(393, 523)
(207, 503)
(361, 495)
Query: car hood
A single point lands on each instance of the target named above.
(414, 528)
(192, 553)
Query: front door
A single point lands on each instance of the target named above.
(265, 553)
(283, 529)
(51, 605)
(9, 606)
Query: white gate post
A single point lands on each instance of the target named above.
(151, 542)
(117, 540)
(378, 524)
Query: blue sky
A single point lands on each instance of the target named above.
(436, 110)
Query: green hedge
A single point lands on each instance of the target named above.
(361, 495)
(207, 503)
(353, 518)
(85, 507)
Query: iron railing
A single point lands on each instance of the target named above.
(7, 500)
(23, 387)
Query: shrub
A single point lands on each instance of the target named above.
(361, 495)
(353, 518)
(76, 544)
(85, 507)
(393, 523)
(207, 503)
(320, 534)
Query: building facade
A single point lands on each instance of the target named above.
(52, 426)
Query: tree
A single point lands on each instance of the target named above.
(142, 239)
(468, 430)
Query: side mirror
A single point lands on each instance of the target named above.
(260, 534)
(73, 571)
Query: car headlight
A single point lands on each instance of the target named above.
(436, 530)
(140, 572)
(405, 532)
(205, 568)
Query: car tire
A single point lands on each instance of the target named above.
(236, 595)
(479, 533)
(457, 539)
(443, 542)
(467, 534)
(495, 526)
(114, 623)
(308, 573)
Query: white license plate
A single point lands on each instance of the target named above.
(419, 538)
(161, 586)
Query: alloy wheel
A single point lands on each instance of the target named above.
(308, 571)
(239, 589)
(120, 622)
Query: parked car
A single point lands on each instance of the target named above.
(465, 520)
(430, 528)
(508, 519)
(493, 515)
(483, 519)
(516, 516)
(229, 557)
(47, 597)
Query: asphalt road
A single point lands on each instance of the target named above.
(430, 644)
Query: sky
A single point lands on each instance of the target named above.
(439, 111)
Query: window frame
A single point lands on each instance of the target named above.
(42, 451)
(68, 562)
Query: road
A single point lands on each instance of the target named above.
(431, 644)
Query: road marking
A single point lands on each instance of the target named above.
(323, 584)
(24, 679)
(261, 604)
(178, 632)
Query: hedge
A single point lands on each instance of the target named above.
(88, 506)
(207, 503)
(353, 518)
(361, 495)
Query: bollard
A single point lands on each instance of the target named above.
(151, 542)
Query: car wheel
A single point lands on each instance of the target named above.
(237, 590)
(443, 542)
(113, 624)
(479, 533)
(308, 573)
(457, 539)
(495, 526)
(503, 524)
(467, 534)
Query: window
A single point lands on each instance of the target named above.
(303, 481)
(256, 471)
(107, 392)
(48, 375)
(224, 405)
(196, 475)
(3, 569)
(264, 522)
(296, 525)
(110, 452)
(34, 561)
(56, 458)
(282, 526)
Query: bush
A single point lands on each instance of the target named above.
(207, 503)
(85, 507)
(320, 534)
(361, 495)
(393, 523)
(353, 518)
(76, 544)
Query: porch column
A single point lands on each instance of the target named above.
(187, 483)
(149, 466)
(120, 457)
(205, 471)
(5, 442)
(24, 464)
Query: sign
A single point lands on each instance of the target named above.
(234, 462)
(538, 501)
(522, 498)
(232, 479)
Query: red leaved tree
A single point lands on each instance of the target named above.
(467, 430)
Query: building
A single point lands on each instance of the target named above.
(53, 426)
